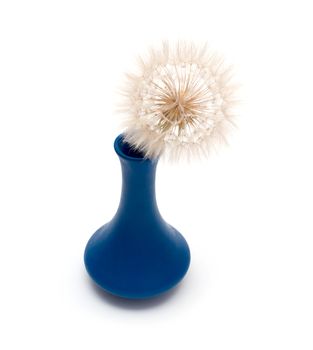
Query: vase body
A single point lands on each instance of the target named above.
(137, 254)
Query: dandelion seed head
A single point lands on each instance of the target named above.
(180, 102)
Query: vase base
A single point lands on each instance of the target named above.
(136, 268)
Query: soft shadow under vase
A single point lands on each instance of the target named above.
(137, 254)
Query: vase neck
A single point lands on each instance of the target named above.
(138, 187)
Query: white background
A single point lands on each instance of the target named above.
(246, 213)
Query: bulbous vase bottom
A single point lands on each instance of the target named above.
(139, 265)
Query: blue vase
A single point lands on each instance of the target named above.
(137, 254)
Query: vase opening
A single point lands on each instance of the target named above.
(125, 150)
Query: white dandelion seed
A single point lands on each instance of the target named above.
(180, 104)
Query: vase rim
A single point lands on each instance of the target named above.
(132, 155)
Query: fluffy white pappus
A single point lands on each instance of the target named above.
(180, 103)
